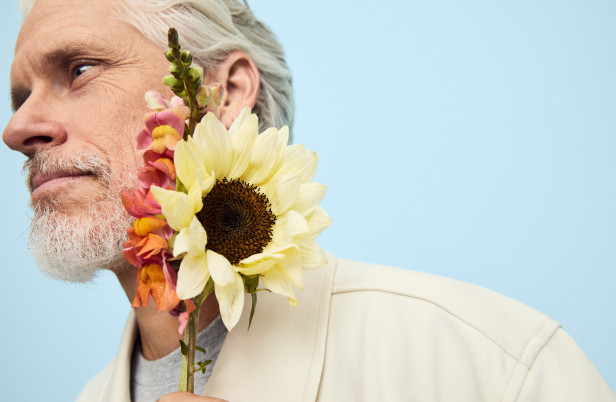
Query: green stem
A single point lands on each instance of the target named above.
(187, 382)
(192, 123)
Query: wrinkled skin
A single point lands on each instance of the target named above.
(78, 86)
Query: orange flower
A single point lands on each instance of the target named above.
(146, 239)
(145, 226)
(164, 137)
(140, 204)
(151, 281)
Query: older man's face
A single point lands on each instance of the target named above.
(77, 82)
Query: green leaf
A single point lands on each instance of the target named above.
(200, 349)
(252, 309)
(202, 366)
(183, 348)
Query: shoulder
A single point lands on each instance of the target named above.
(440, 337)
(499, 319)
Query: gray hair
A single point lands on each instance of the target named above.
(211, 30)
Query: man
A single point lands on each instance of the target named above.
(359, 332)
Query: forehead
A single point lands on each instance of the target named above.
(57, 29)
(51, 18)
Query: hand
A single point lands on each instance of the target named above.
(187, 397)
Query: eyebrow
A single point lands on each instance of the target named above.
(60, 55)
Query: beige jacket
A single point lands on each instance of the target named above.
(363, 332)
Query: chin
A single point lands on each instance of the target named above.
(74, 247)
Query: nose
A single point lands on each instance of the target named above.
(34, 128)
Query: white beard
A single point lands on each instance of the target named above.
(75, 248)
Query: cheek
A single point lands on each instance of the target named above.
(116, 114)
(124, 164)
(117, 130)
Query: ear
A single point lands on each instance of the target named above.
(241, 82)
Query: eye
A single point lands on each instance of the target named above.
(79, 70)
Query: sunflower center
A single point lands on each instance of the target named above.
(237, 218)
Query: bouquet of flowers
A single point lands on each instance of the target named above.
(224, 211)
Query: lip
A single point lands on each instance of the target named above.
(42, 182)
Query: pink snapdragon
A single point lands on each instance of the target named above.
(147, 247)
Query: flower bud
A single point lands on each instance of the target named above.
(175, 70)
(186, 58)
(173, 83)
(204, 95)
(195, 73)
(217, 94)
(169, 56)
(173, 38)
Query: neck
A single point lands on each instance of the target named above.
(158, 331)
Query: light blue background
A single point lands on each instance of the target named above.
(471, 139)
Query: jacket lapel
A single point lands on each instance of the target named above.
(116, 384)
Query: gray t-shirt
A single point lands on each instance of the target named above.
(152, 379)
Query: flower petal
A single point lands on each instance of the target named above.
(197, 233)
(264, 154)
(220, 268)
(188, 163)
(192, 276)
(292, 267)
(271, 251)
(147, 224)
(214, 144)
(310, 195)
(144, 139)
(244, 117)
(152, 282)
(312, 254)
(230, 301)
(183, 316)
(298, 162)
(287, 226)
(177, 207)
(258, 267)
(191, 239)
(156, 100)
(243, 140)
(164, 137)
(285, 192)
(317, 221)
(276, 281)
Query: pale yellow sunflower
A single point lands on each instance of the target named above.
(250, 208)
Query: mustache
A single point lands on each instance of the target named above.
(50, 162)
